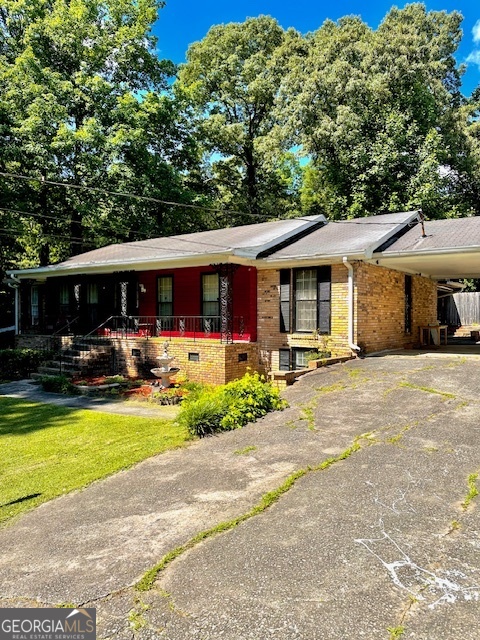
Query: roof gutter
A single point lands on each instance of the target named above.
(354, 347)
(42, 273)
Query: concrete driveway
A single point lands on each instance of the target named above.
(377, 537)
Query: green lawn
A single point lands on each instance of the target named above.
(47, 450)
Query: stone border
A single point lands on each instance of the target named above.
(287, 378)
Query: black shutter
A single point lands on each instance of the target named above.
(324, 279)
(284, 364)
(408, 304)
(285, 300)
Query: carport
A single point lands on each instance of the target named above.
(446, 251)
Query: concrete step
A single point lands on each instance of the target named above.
(63, 361)
(70, 352)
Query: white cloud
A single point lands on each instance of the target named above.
(474, 57)
(476, 31)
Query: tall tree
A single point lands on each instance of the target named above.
(84, 97)
(373, 111)
(231, 80)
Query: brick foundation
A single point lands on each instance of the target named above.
(217, 363)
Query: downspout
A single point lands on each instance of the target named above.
(14, 283)
(351, 344)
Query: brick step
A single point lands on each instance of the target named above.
(70, 352)
(56, 370)
(68, 361)
(97, 348)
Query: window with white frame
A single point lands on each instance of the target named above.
(34, 306)
(305, 300)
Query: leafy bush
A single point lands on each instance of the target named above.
(317, 355)
(19, 363)
(116, 380)
(229, 406)
(194, 389)
(58, 384)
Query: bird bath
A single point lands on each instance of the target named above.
(165, 371)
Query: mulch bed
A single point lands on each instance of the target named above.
(145, 391)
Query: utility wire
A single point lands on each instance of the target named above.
(131, 244)
(169, 203)
(7, 232)
(124, 194)
(59, 219)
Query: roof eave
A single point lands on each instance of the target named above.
(426, 252)
(42, 273)
(332, 258)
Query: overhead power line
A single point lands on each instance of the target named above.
(124, 194)
(70, 185)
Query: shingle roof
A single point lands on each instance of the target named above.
(247, 240)
(453, 233)
(345, 237)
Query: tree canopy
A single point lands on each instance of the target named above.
(379, 113)
(84, 101)
(231, 80)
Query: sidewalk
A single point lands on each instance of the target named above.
(28, 390)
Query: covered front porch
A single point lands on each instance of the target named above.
(216, 302)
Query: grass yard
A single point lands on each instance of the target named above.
(47, 450)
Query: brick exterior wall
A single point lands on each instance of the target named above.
(379, 323)
(270, 340)
(217, 363)
(380, 307)
(379, 314)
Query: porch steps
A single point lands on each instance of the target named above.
(56, 369)
(80, 358)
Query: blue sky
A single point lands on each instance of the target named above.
(182, 22)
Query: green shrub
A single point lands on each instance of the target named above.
(229, 406)
(58, 384)
(194, 389)
(20, 363)
(317, 355)
(116, 380)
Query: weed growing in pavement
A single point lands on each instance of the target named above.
(267, 500)
(245, 450)
(410, 385)
(472, 490)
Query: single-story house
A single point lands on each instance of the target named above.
(260, 296)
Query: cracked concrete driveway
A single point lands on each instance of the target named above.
(378, 538)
